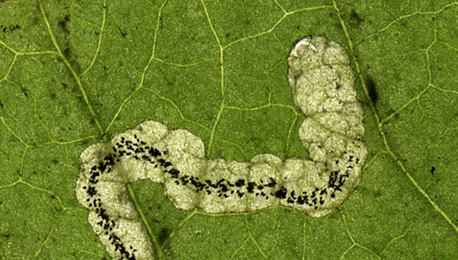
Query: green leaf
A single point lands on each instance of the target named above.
(74, 73)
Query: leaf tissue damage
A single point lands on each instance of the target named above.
(355, 18)
(45, 123)
(322, 81)
(371, 88)
(63, 24)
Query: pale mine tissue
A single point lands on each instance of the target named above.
(323, 88)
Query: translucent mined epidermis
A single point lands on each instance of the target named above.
(323, 88)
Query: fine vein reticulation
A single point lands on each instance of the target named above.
(323, 88)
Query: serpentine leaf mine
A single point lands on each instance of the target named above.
(322, 82)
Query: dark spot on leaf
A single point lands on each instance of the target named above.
(71, 57)
(370, 84)
(55, 161)
(52, 196)
(36, 19)
(163, 235)
(85, 142)
(165, 78)
(1, 105)
(63, 24)
(53, 95)
(9, 28)
(67, 53)
(433, 169)
(64, 85)
(15, 27)
(24, 92)
(81, 99)
(355, 19)
(123, 33)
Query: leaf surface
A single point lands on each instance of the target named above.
(74, 73)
